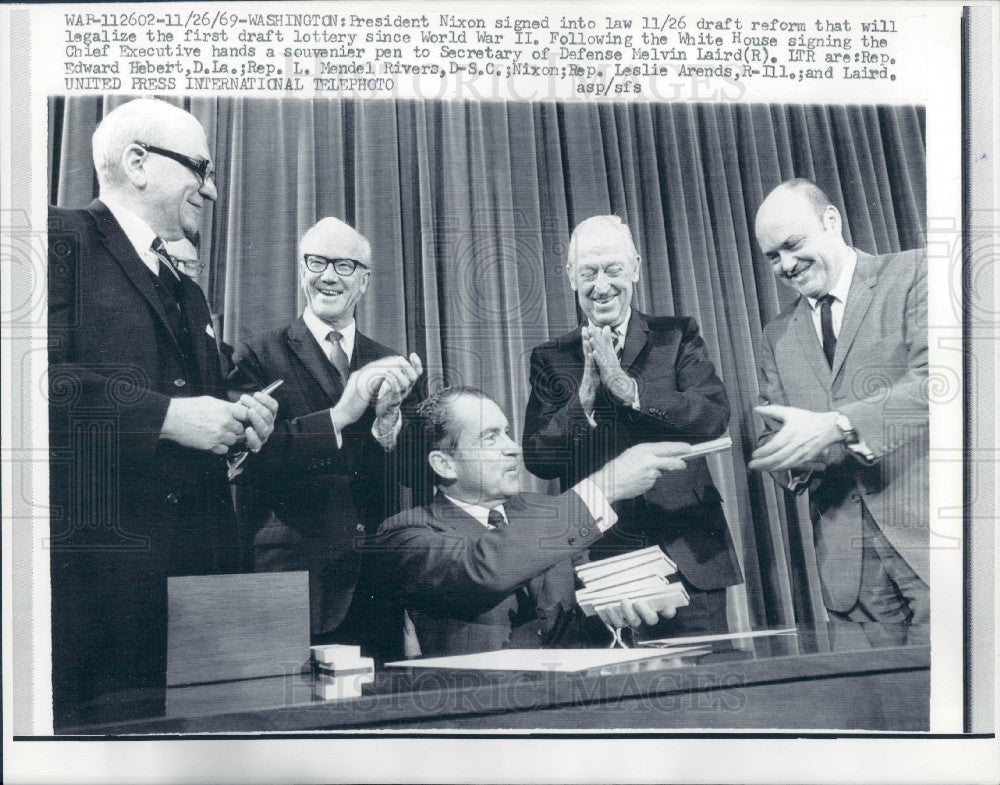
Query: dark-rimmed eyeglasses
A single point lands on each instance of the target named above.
(345, 267)
(199, 166)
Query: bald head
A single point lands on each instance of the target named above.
(333, 293)
(799, 231)
(143, 120)
(335, 239)
(152, 158)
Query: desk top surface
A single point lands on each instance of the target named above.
(412, 696)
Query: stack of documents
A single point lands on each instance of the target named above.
(638, 575)
(340, 671)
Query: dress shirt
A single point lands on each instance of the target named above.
(589, 492)
(320, 330)
(839, 291)
(139, 234)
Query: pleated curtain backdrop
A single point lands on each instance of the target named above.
(469, 206)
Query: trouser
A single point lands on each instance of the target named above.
(891, 592)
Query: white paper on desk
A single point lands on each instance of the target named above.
(729, 636)
(554, 660)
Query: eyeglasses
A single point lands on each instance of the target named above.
(345, 267)
(190, 267)
(199, 166)
(589, 274)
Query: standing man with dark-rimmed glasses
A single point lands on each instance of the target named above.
(318, 491)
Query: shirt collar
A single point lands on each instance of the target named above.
(321, 329)
(138, 232)
(841, 289)
(622, 329)
(477, 511)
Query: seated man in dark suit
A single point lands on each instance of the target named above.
(481, 557)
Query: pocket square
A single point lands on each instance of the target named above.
(210, 331)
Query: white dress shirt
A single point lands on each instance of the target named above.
(139, 234)
(589, 492)
(839, 291)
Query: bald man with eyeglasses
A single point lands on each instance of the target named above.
(328, 477)
(139, 414)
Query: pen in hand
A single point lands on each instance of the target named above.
(237, 459)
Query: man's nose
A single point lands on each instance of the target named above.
(510, 447)
(209, 191)
(787, 261)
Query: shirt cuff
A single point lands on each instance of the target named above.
(597, 503)
(336, 431)
(635, 398)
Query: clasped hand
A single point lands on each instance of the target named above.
(387, 381)
(601, 364)
(215, 425)
(800, 443)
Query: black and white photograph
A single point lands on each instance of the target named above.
(492, 416)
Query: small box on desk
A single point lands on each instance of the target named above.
(227, 627)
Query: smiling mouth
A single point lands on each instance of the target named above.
(799, 270)
(329, 292)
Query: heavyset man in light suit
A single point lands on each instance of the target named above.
(843, 374)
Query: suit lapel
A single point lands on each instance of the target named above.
(120, 249)
(365, 351)
(804, 335)
(859, 300)
(635, 340)
(304, 346)
(196, 313)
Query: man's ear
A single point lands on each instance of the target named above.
(134, 165)
(635, 268)
(831, 219)
(442, 464)
(569, 274)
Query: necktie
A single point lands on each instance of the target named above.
(826, 327)
(496, 519)
(168, 270)
(616, 343)
(337, 355)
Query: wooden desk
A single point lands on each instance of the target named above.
(775, 685)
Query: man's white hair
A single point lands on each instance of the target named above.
(609, 227)
(142, 120)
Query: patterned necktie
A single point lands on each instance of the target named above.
(337, 355)
(826, 327)
(168, 269)
(496, 519)
(616, 343)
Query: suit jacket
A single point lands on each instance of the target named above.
(879, 380)
(127, 509)
(681, 399)
(466, 586)
(317, 504)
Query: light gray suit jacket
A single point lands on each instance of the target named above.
(879, 380)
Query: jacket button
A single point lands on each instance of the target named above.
(172, 498)
(855, 497)
(359, 528)
(179, 382)
(572, 540)
(584, 532)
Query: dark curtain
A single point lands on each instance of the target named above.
(469, 206)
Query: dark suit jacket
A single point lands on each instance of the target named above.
(128, 509)
(466, 586)
(879, 380)
(681, 399)
(315, 505)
